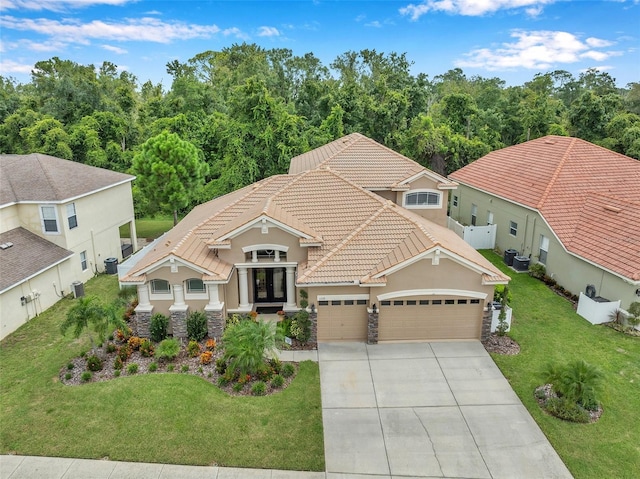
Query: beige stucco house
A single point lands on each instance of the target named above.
(564, 202)
(354, 224)
(59, 222)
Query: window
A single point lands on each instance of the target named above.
(424, 302)
(336, 303)
(455, 200)
(422, 199)
(160, 286)
(513, 228)
(195, 286)
(411, 302)
(544, 249)
(323, 303)
(436, 301)
(462, 301)
(348, 302)
(361, 301)
(83, 260)
(49, 219)
(398, 303)
(474, 214)
(71, 215)
(474, 301)
(449, 301)
(385, 303)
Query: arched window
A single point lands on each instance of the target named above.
(195, 286)
(160, 286)
(422, 199)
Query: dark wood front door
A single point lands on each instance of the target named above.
(269, 285)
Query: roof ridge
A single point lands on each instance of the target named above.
(416, 220)
(556, 173)
(45, 173)
(346, 240)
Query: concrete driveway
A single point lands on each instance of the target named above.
(439, 409)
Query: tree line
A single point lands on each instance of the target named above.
(246, 111)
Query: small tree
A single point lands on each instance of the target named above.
(247, 344)
(505, 297)
(577, 381)
(634, 314)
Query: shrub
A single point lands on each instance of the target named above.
(86, 377)
(301, 326)
(117, 363)
(247, 343)
(502, 294)
(264, 372)
(259, 388)
(193, 348)
(537, 271)
(116, 373)
(158, 327)
(210, 344)
(577, 381)
(168, 349)
(223, 381)
(111, 348)
(197, 326)
(94, 363)
(147, 349)
(634, 314)
(185, 368)
(304, 298)
(68, 376)
(237, 387)
(134, 342)
(566, 409)
(132, 368)
(205, 358)
(221, 365)
(123, 334)
(153, 367)
(275, 364)
(284, 327)
(170, 368)
(70, 366)
(124, 352)
(277, 381)
(288, 369)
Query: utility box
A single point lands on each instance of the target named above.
(521, 263)
(111, 265)
(78, 289)
(509, 254)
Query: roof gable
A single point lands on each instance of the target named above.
(44, 178)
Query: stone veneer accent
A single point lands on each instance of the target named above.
(372, 328)
(179, 323)
(486, 322)
(215, 324)
(314, 327)
(143, 323)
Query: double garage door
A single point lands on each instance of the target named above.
(423, 318)
(402, 319)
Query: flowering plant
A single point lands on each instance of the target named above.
(205, 358)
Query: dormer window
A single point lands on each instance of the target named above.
(274, 253)
(422, 199)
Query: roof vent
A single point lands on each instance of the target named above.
(6, 245)
(613, 209)
(550, 141)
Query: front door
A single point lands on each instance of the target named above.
(269, 285)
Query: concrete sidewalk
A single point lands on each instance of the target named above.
(427, 410)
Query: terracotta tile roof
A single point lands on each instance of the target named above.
(37, 177)
(589, 195)
(365, 162)
(29, 255)
(358, 229)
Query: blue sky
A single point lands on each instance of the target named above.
(510, 39)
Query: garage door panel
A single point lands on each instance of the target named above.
(342, 321)
(428, 319)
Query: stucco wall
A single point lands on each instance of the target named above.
(254, 236)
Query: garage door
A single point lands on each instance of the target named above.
(344, 320)
(430, 318)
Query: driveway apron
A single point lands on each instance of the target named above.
(439, 409)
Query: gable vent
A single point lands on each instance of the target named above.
(6, 245)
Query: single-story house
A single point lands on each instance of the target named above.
(565, 203)
(372, 269)
(59, 222)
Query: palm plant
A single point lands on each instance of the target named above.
(248, 343)
(578, 381)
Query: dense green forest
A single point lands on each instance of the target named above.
(248, 110)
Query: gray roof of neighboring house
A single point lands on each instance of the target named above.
(29, 255)
(45, 178)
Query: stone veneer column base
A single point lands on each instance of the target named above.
(142, 321)
(372, 327)
(178, 320)
(215, 323)
(314, 327)
(487, 315)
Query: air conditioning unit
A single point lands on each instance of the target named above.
(78, 289)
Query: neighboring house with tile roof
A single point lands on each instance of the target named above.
(564, 202)
(59, 222)
(319, 230)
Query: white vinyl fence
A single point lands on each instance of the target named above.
(480, 237)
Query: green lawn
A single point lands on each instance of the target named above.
(548, 330)
(149, 227)
(167, 418)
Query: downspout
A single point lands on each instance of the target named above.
(93, 249)
(524, 240)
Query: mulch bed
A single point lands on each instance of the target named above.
(71, 373)
(501, 345)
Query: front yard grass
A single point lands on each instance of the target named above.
(549, 330)
(163, 418)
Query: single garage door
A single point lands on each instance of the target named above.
(430, 318)
(344, 320)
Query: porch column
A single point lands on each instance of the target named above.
(134, 235)
(214, 297)
(143, 296)
(291, 287)
(243, 287)
(178, 295)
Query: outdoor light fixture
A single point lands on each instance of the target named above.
(374, 309)
(313, 308)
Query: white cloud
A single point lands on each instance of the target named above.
(9, 66)
(56, 5)
(600, 68)
(142, 29)
(111, 48)
(473, 8)
(537, 50)
(268, 32)
(236, 32)
(375, 24)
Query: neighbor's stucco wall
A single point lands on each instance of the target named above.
(9, 218)
(570, 271)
